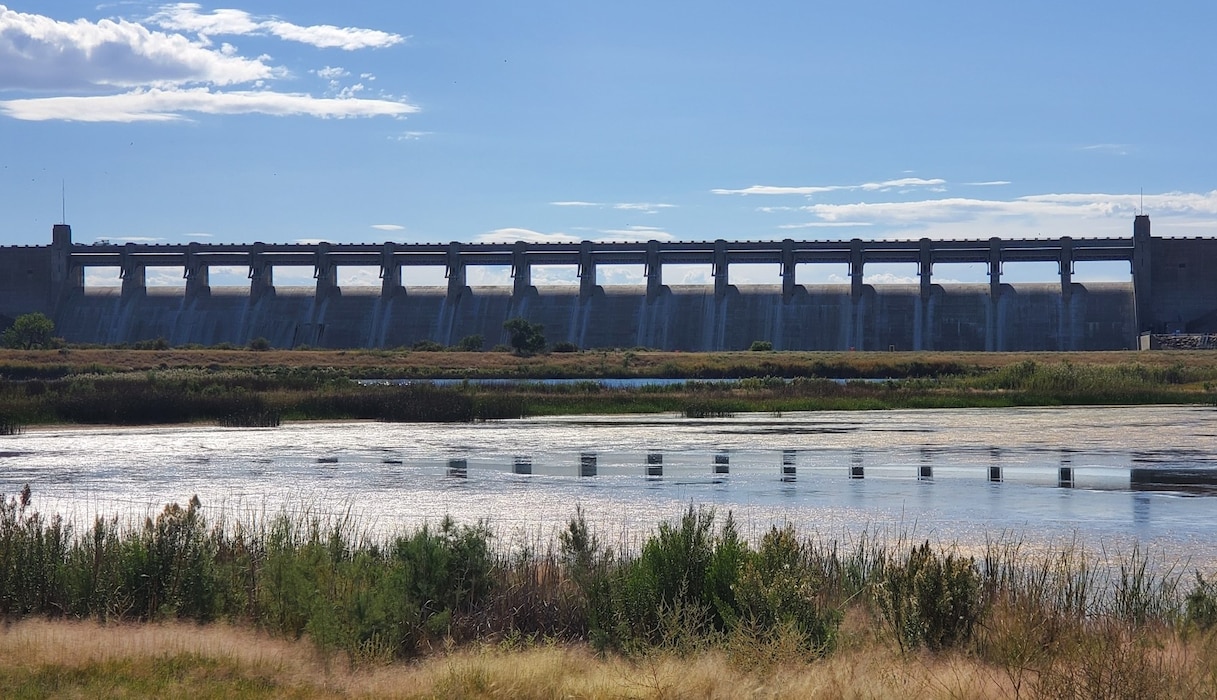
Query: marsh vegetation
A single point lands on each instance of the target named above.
(785, 611)
(98, 389)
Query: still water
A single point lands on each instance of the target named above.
(951, 476)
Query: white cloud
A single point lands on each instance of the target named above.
(889, 278)
(635, 234)
(988, 183)
(826, 224)
(198, 235)
(40, 53)
(511, 235)
(139, 239)
(186, 16)
(165, 75)
(331, 73)
(325, 36)
(1051, 215)
(644, 207)
(905, 182)
(173, 104)
(411, 136)
(388, 227)
(1117, 149)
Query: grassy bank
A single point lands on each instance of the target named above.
(40, 659)
(638, 362)
(113, 387)
(694, 610)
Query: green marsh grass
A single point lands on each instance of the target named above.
(1029, 623)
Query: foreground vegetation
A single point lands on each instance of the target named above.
(262, 388)
(694, 610)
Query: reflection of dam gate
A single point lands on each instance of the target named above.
(1172, 289)
(715, 469)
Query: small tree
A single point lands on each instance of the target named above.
(29, 331)
(471, 343)
(526, 338)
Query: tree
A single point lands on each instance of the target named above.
(471, 343)
(526, 338)
(29, 331)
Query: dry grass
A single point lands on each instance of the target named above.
(589, 363)
(83, 659)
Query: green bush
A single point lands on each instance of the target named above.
(1201, 604)
(526, 338)
(29, 331)
(780, 587)
(471, 343)
(930, 600)
(761, 346)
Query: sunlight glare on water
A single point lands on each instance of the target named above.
(794, 467)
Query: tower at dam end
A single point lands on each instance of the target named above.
(1172, 288)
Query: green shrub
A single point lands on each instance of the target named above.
(761, 346)
(471, 343)
(526, 338)
(680, 588)
(29, 331)
(780, 588)
(930, 600)
(1201, 604)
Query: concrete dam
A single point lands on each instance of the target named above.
(1172, 288)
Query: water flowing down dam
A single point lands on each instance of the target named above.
(1171, 289)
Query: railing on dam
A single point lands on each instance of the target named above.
(196, 259)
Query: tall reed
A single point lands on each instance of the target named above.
(693, 585)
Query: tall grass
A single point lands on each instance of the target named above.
(694, 586)
(262, 396)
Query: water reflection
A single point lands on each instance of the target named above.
(1045, 470)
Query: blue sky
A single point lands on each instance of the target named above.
(488, 120)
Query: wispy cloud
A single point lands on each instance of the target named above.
(901, 183)
(1075, 214)
(632, 234)
(163, 75)
(988, 183)
(826, 224)
(411, 136)
(1115, 149)
(511, 235)
(186, 16)
(388, 227)
(173, 105)
(643, 207)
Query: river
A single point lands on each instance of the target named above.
(951, 476)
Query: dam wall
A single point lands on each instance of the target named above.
(689, 318)
(1171, 288)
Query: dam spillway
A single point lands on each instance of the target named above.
(1162, 295)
